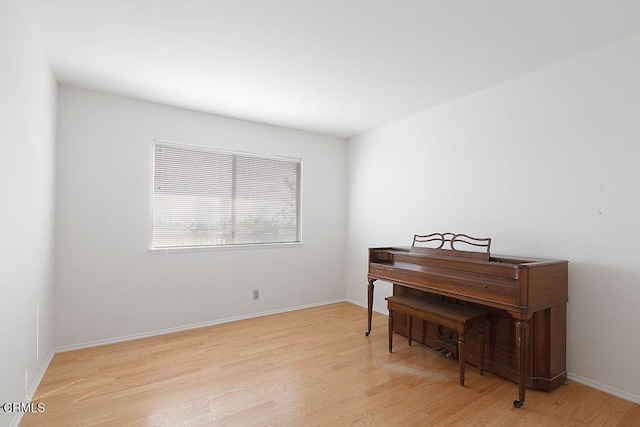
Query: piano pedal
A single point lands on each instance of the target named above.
(444, 352)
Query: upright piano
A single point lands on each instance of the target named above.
(525, 338)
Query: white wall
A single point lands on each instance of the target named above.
(27, 120)
(547, 165)
(109, 285)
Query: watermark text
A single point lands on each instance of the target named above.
(23, 407)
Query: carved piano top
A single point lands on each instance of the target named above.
(515, 284)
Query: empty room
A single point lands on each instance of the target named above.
(296, 212)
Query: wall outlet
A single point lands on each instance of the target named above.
(256, 294)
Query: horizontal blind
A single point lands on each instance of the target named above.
(212, 198)
(266, 200)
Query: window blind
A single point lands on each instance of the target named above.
(204, 198)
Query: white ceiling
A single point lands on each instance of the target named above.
(338, 67)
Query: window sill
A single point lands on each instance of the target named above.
(226, 247)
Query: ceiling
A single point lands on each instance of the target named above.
(336, 67)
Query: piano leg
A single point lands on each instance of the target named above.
(390, 331)
(369, 305)
(522, 351)
(481, 340)
(461, 355)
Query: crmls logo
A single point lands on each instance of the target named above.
(23, 407)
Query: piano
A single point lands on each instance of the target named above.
(525, 335)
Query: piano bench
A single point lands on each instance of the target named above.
(447, 314)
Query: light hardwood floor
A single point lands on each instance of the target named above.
(311, 367)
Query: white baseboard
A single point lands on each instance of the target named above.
(34, 387)
(604, 388)
(354, 302)
(187, 327)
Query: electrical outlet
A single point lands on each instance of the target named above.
(256, 294)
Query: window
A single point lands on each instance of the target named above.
(204, 198)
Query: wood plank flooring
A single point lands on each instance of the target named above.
(311, 367)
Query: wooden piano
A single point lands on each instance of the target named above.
(525, 338)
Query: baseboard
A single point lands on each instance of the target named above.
(354, 302)
(187, 327)
(604, 388)
(34, 387)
